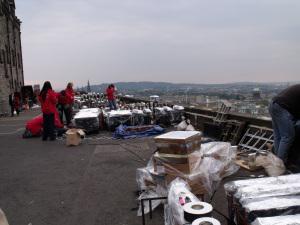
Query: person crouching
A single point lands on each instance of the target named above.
(48, 99)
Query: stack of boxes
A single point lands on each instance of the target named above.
(175, 158)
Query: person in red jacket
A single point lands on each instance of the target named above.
(17, 102)
(110, 93)
(48, 99)
(62, 101)
(68, 107)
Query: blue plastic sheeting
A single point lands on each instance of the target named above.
(126, 132)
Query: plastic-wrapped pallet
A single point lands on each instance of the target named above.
(278, 220)
(233, 186)
(208, 166)
(274, 196)
(116, 117)
(169, 114)
(161, 116)
(137, 117)
(203, 169)
(178, 113)
(147, 116)
(88, 119)
(271, 206)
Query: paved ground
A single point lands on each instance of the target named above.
(47, 183)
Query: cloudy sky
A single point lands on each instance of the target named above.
(197, 41)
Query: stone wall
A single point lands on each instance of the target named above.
(11, 63)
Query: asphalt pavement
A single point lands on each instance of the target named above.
(48, 183)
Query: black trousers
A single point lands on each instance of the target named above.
(68, 113)
(48, 125)
(12, 109)
(67, 110)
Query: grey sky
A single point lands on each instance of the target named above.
(198, 41)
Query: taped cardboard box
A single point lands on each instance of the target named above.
(178, 142)
(74, 137)
(174, 164)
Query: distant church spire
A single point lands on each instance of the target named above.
(88, 86)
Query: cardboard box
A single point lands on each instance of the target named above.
(178, 142)
(174, 164)
(197, 187)
(74, 137)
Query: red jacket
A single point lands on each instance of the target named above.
(16, 102)
(69, 96)
(49, 105)
(35, 125)
(62, 99)
(110, 93)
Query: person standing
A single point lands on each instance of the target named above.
(285, 111)
(110, 93)
(11, 104)
(48, 99)
(61, 105)
(68, 108)
(16, 102)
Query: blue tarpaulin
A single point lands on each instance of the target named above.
(126, 132)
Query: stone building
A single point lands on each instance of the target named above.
(11, 63)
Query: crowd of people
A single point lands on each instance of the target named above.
(61, 104)
(53, 103)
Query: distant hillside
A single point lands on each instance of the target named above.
(157, 87)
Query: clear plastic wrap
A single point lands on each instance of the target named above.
(204, 169)
(159, 191)
(217, 162)
(261, 191)
(179, 192)
(151, 185)
(144, 179)
(233, 186)
(278, 220)
(272, 206)
(264, 197)
(88, 119)
(114, 118)
(273, 165)
(137, 117)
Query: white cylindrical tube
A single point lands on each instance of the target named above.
(206, 221)
(195, 210)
